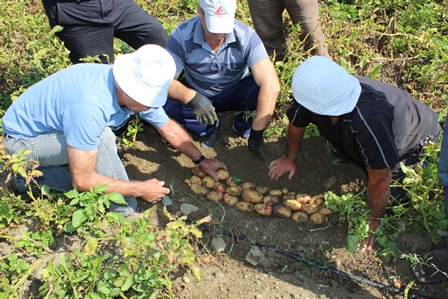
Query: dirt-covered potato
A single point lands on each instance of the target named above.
(248, 185)
(198, 171)
(231, 182)
(270, 200)
(292, 204)
(235, 190)
(318, 218)
(214, 196)
(230, 199)
(244, 206)
(310, 209)
(222, 174)
(219, 187)
(316, 200)
(198, 189)
(289, 195)
(251, 196)
(187, 182)
(282, 211)
(208, 182)
(276, 192)
(303, 198)
(325, 211)
(299, 217)
(262, 189)
(263, 209)
(285, 190)
(195, 180)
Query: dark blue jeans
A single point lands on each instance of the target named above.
(242, 98)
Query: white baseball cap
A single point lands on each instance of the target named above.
(324, 87)
(145, 75)
(219, 15)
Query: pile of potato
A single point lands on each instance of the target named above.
(248, 197)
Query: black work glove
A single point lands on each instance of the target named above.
(203, 109)
(256, 143)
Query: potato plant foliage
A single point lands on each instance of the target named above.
(401, 42)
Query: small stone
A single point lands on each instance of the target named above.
(254, 255)
(218, 245)
(187, 209)
(294, 296)
(166, 201)
(330, 182)
(185, 279)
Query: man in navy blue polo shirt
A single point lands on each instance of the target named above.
(372, 124)
(217, 53)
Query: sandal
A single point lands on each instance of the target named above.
(435, 267)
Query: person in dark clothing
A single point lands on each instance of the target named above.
(370, 123)
(89, 26)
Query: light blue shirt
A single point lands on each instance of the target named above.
(79, 101)
(208, 72)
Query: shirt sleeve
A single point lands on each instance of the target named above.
(156, 117)
(298, 115)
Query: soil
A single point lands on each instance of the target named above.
(280, 274)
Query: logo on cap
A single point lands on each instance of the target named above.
(221, 11)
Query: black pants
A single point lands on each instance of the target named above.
(89, 26)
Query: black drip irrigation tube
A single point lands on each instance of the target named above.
(333, 270)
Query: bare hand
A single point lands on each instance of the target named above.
(368, 243)
(153, 191)
(282, 165)
(209, 166)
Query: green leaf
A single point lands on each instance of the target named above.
(69, 228)
(127, 283)
(116, 198)
(79, 216)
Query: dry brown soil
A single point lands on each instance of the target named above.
(228, 275)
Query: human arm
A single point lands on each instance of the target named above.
(82, 167)
(266, 78)
(288, 162)
(180, 140)
(377, 200)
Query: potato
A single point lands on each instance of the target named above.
(299, 217)
(289, 195)
(292, 204)
(248, 185)
(230, 199)
(219, 187)
(231, 182)
(214, 196)
(303, 198)
(251, 196)
(188, 182)
(282, 211)
(235, 191)
(325, 211)
(310, 209)
(270, 200)
(198, 189)
(263, 209)
(276, 193)
(199, 172)
(222, 174)
(195, 180)
(244, 206)
(262, 189)
(318, 218)
(285, 190)
(208, 182)
(316, 200)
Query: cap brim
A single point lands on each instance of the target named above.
(221, 24)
